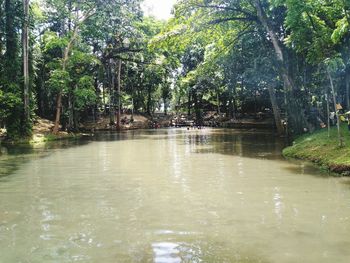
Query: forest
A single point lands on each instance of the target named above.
(196, 131)
(69, 61)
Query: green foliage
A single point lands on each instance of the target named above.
(342, 30)
(11, 111)
(9, 103)
(216, 53)
(334, 64)
(316, 27)
(84, 94)
(59, 81)
(52, 42)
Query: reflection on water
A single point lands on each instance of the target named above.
(11, 157)
(170, 196)
(253, 144)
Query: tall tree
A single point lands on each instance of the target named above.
(225, 22)
(25, 46)
(79, 20)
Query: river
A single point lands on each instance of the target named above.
(170, 196)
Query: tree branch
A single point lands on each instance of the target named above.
(221, 20)
(227, 8)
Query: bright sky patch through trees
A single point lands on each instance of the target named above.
(161, 9)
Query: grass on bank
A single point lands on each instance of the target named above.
(40, 138)
(323, 150)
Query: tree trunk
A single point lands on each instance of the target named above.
(132, 109)
(71, 125)
(229, 110)
(69, 17)
(242, 89)
(218, 101)
(189, 103)
(232, 102)
(111, 81)
(286, 124)
(1, 32)
(10, 57)
(347, 87)
(26, 60)
(340, 136)
(58, 112)
(149, 100)
(296, 114)
(2, 38)
(119, 69)
(64, 65)
(165, 106)
(328, 115)
(276, 110)
(71, 119)
(196, 106)
(104, 96)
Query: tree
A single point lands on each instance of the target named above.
(332, 65)
(25, 46)
(79, 20)
(224, 23)
(10, 77)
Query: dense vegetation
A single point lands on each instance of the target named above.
(69, 60)
(80, 55)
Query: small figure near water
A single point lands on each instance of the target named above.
(347, 114)
(332, 118)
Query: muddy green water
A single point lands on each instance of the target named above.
(170, 196)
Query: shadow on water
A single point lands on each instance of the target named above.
(149, 134)
(13, 156)
(252, 143)
(347, 182)
(306, 167)
(256, 144)
(244, 143)
(120, 136)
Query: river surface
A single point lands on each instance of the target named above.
(170, 196)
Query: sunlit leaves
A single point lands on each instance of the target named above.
(52, 41)
(9, 102)
(315, 27)
(334, 64)
(84, 93)
(59, 81)
(342, 30)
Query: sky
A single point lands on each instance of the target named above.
(159, 8)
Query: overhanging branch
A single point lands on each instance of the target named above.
(221, 20)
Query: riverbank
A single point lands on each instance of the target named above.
(42, 132)
(323, 150)
(128, 122)
(42, 128)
